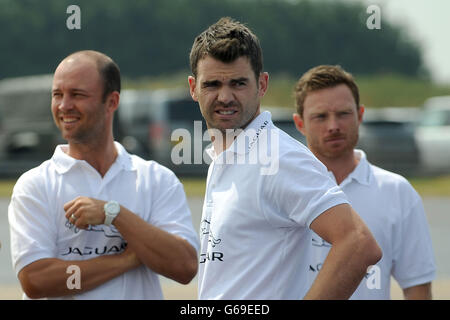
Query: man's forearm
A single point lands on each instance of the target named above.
(342, 271)
(162, 252)
(335, 280)
(49, 277)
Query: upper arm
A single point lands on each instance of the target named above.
(413, 256)
(337, 223)
(419, 292)
(32, 226)
(170, 212)
(348, 234)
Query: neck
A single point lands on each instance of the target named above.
(222, 140)
(340, 166)
(99, 156)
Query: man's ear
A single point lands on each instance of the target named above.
(113, 100)
(192, 86)
(299, 123)
(263, 83)
(361, 113)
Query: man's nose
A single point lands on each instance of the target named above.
(333, 124)
(225, 95)
(66, 104)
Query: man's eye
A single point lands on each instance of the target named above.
(239, 83)
(209, 85)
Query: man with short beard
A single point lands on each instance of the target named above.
(255, 232)
(116, 218)
(328, 115)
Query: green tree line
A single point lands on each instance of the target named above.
(154, 37)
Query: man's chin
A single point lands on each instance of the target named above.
(337, 152)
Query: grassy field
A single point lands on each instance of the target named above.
(195, 187)
(437, 186)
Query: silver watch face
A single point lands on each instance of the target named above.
(112, 207)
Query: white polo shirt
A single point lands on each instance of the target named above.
(394, 213)
(40, 230)
(255, 236)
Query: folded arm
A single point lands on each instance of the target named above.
(353, 250)
(161, 251)
(49, 277)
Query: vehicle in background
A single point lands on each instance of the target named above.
(28, 134)
(133, 116)
(386, 136)
(148, 120)
(433, 136)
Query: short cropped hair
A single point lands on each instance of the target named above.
(322, 77)
(109, 71)
(227, 40)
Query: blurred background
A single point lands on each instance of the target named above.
(402, 69)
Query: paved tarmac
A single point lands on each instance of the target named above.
(438, 215)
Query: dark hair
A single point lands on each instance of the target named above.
(110, 74)
(322, 77)
(109, 71)
(227, 40)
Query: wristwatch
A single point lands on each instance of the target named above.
(112, 209)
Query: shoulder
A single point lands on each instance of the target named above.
(153, 171)
(386, 177)
(293, 153)
(35, 180)
(395, 184)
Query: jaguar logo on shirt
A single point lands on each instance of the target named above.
(87, 251)
(319, 242)
(212, 256)
(108, 232)
(204, 227)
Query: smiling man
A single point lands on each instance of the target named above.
(120, 220)
(329, 115)
(255, 229)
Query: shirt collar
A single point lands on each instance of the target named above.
(245, 141)
(362, 172)
(64, 163)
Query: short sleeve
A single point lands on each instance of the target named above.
(413, 251)
(301, 189)
(170, 211)
(33, 235)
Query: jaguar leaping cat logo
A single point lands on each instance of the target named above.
(205, 229)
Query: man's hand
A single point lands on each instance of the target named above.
(84, 211)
